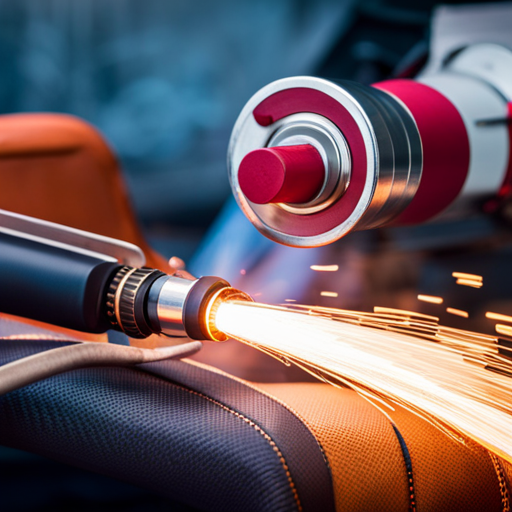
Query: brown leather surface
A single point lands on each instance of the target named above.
(448, 475)
(367, 464)
(364, 454)
(58, 168)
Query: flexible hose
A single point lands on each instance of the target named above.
(40, 366)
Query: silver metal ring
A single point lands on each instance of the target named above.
(248, 135)
(326, 138)
(171, 304)
(392, 149)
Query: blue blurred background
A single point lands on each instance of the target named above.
(164, 81)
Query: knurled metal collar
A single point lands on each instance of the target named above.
(125, 300)
(110, 302)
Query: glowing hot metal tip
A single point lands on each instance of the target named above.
(223, 295)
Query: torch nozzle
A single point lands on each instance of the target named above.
(145, 301)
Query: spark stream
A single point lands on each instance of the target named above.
(458, 380)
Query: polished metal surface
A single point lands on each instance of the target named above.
(71, 239)
(327, 139)
(248, 135)
(171, 303)
(393, 154)
(400, 154)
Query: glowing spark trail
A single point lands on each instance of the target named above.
(458, 312)
(471, 277)
(325, 268)
(498, 316)
(456, 379)
(402, 312)
(431, 299)
(504, 329)
(328, 294)
(470, 282)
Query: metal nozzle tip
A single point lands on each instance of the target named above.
(222, 295)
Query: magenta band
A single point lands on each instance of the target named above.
(302, 99)
(446, 150)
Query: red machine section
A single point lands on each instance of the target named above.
(446, 150)
(287, 174)
(506, 189)
(302, 99)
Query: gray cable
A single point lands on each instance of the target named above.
(40, 366)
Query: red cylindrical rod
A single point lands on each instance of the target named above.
(284, 174)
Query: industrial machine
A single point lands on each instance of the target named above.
(310, 160)
(94, 291)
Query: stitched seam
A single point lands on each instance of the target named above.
(502, 482)
(268, 395)
(262, 433)
(408, 467)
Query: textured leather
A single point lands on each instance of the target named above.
(363, 451)
(309, 473)
(58, 168)
(448, 474)
(368, 465)
(238, 450)
(196, 424)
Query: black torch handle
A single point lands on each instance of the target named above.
(53, 285)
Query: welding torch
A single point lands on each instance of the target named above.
(73, 285)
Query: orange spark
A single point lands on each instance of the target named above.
(503, 329)
(403, 312)
(470, 282)
(431, 299)
(328, 294)
(471, 277)
(324, 268)
(290, 300)
(458, 312)
(497, 316)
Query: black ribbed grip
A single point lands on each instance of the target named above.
(130, 315)
(111, 295)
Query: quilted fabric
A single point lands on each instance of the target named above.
(158, 434)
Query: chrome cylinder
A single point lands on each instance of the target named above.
(369, 143)
(170, 305)
(141, 302)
